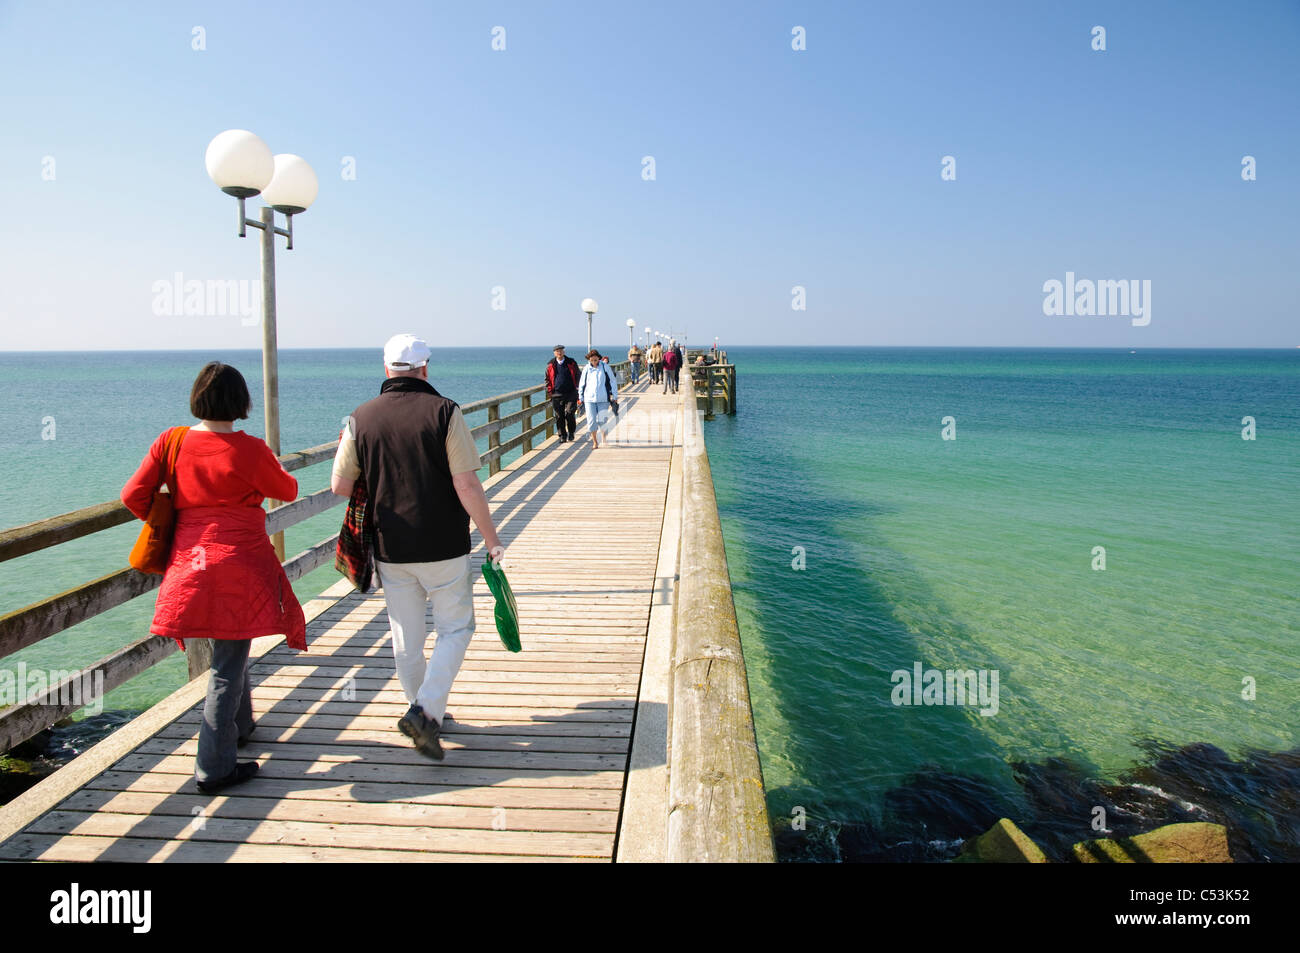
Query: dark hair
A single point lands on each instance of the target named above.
(220, 393)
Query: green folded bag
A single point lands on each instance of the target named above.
(506, 612)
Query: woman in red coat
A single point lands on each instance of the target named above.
(223, 580)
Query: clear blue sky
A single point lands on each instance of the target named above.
(775, 168)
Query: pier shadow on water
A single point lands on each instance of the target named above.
(831, 653)
(864, 780)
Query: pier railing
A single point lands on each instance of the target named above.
(717, 805)
(41, 620)
(533, 403)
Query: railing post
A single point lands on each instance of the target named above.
(494, 438)
(525, 402)
(708, 393)
(198, 657)
(550, 416)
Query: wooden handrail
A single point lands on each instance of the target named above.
(306, 458)
(301, 509)
(40, 620)
(487, 402)
(30, 716)
(42, 534)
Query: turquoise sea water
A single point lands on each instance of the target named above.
(977, 553)
(973, 553)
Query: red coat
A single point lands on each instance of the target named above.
(223, 580)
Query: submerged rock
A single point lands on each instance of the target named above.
(1197, 843)
(1003, 843)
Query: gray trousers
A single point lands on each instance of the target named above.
(228, 711)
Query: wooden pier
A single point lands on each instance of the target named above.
(564, 752)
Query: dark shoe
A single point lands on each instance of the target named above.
(244, 770)
(423, 730)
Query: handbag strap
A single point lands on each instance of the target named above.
(173, 452)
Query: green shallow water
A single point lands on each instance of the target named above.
(976, 553)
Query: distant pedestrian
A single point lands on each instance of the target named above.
(655, 358)
(417, 458)
(223, 580)
(562, 388)
(635, 356)
(596, 388)
(672, 365)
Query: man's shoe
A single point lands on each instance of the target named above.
(423, 730)
(243, 771)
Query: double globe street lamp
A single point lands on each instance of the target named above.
(242, 166)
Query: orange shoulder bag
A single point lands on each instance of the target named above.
(152, 549)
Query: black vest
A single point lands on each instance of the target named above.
(564, 385)
(402, 448)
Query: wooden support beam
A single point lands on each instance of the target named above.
(527, 401)
(717, 805)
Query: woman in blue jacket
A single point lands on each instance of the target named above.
(596, 388)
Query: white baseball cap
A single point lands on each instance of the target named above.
(405, 352)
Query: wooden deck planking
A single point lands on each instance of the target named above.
(536, 743)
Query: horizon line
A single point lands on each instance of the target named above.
(790, 347)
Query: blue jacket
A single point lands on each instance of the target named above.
(591, 386)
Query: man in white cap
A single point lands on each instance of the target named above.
(417, 458)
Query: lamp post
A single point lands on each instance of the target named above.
(647, 337)
(631, 333)
(589, 305)
(242, 166)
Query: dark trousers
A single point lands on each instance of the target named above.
(565, 406)
(656, 372)
(228, 711)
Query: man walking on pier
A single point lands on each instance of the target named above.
(413, 452)
(562, 389)
(655, 358)
(634, 356)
